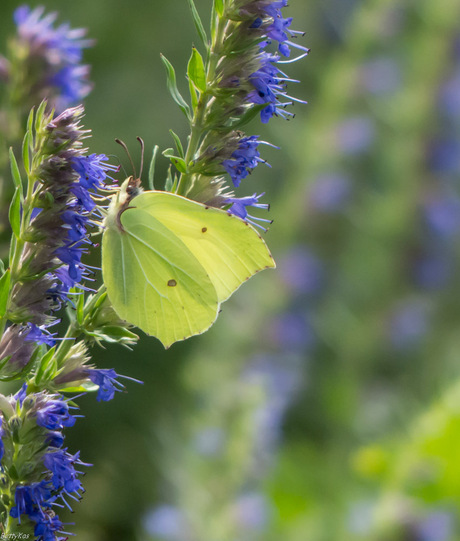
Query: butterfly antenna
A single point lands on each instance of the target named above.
(141, 141)
(121, 143)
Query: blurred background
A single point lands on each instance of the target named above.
(324, 404)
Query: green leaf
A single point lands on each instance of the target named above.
(195, 70)
(198, 24)
(15, 171)
(156, 148)
(30, 121)
(80, 307)
(169, 184)
(193, 94)
(172, 87)
(219, 7)
(13, 246)
(15, 212)
(178, 162)
(46, 365)
(113, 333)
(26, 152)
(179, 147)
(100, 301)
(39, 116)
(5, 281)
(247, 117)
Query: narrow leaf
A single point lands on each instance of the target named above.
(179, 147)
(172, 87)
(169, 181)
(30, 124)
(219, 7)
(44, 365)
(195, 70)
(5, 281)
(15, 171)
(15, 213)
(39, 116)
(193, 94)
(178, 162)
(247, 116)
(80, 308)
(26, 152)
(198, 24)
(153, 161)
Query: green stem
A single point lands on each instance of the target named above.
(198, 122)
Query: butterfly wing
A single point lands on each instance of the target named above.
(154, 281)
(229, 249)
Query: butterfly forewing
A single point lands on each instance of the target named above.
(229, 249)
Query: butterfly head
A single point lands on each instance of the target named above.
(130, 188)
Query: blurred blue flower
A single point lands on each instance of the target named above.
(291, 331)
(381, 75)
(301, 271)
(329, 192)
(442, 214)
(279, 377)
(408, 323)
(355, 135)
(166, 522)
(449, 96)
(58, 52)
(444, 155)
(252, 511)
(436, 526)
(434, 268)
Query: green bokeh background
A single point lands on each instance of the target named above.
(372, 433)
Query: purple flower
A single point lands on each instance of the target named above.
(269, 84)
(47, 525)
(28, 498)
(239, 208)
(54, 415)
(92, 170)
(243, 159)
(61, 465)
(108, 384)
(21, 394)
(40, 335)
(279, 28)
